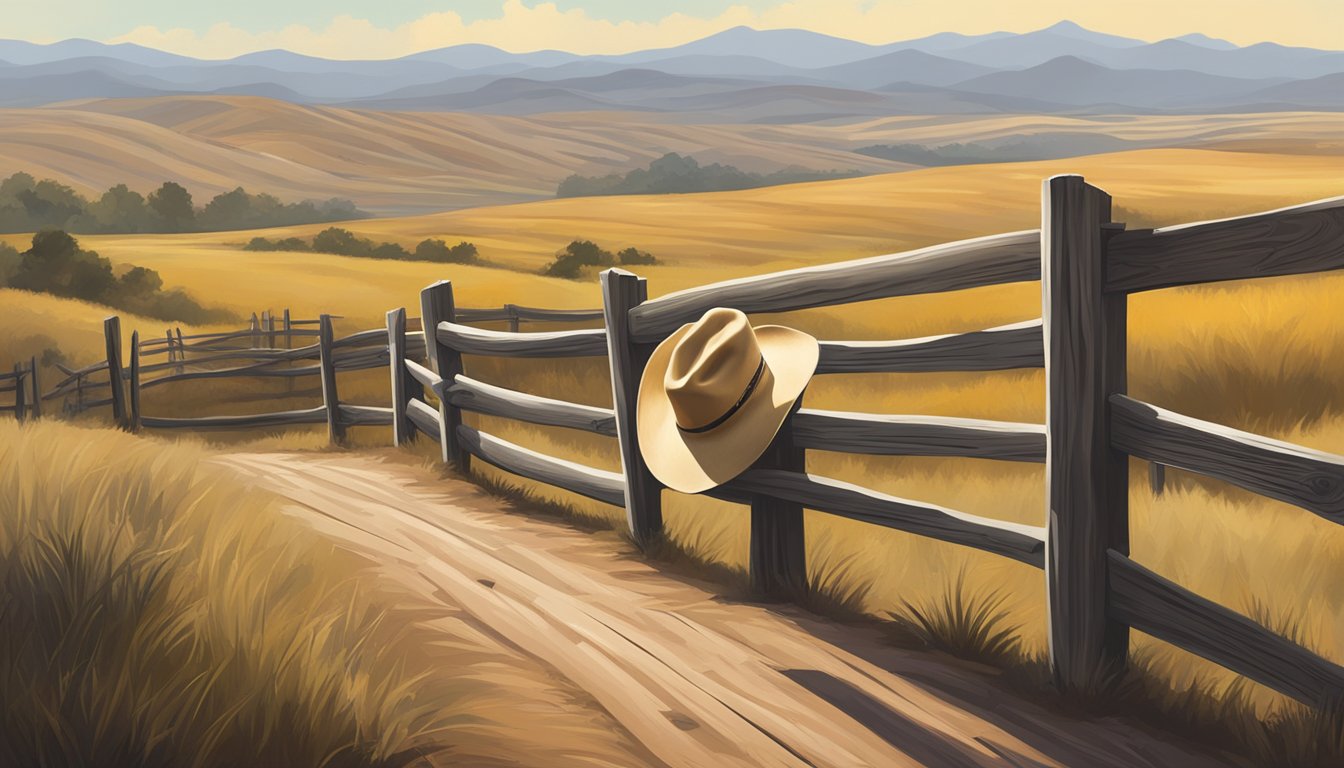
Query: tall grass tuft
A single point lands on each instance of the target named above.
(972, 625)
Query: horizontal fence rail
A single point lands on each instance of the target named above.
(476, 341)
(1010, 346)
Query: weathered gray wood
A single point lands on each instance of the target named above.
(19, 392)
(513, 317)
(270, 329)
(1157, 477)
(437, 308)
(622, 291)
(316, 415)
(372, 337)
(1019, 345)
(330, 400)
(475, 315)
(404, 387)
(1087, 479)
(425, 419)
(586, 481)
(365, 415)
(477, 341)
(425, 377)
(777, 549)
(1024, 543)
(557, 315)
(260, 370)
(133, 413)
(1167, 611)
(1290, 241)
(255, 327)
(288, 327)
(112, 339)
(1308, 478)
(181, 350)
(472, 395)
(1006, 258)
(892, 435)
(35, 389)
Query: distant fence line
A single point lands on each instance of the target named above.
(1088, 267)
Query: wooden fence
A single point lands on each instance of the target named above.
(1087, 266)
(23, 382)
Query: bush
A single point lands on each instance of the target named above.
(634, 256)
(572, 259)
(286, 244)
(439, 251)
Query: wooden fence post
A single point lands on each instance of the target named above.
(512, 309)
(36, 388)
(112, 339)
(255, 327)
(1157, 478)
(621, 292)
(436, 306)
(404, 386)
(181, 349)
(270, 329)
(19, 392)
(778, 552)
(289, 330)
(335, 428)
(133, 417)
(1088, 481)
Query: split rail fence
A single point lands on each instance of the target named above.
(1087, 265)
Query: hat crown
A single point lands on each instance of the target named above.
(712, 368)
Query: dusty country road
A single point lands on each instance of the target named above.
(696, 680)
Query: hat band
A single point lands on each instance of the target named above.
(741, 401)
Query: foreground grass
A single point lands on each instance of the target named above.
(157, 612)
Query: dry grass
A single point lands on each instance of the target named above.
(157, 612)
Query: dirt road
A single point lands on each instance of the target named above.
(697, 680)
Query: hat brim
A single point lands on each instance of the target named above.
(695, 462)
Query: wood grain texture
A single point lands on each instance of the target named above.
(316, 415)
(1024, 543)
(892, 435)
(777, 549)
(403, 386)
(1311, 479)
(1019, 345)
(112, 343)
(133, 398)
(556, 315)
(622, 291)
(330, 399)
(1168, 611)
(426, 419)
(427, 378)
(1087, 480)
(1290, 241)
(586, 481)
(1005, 258)
(437, 307)
(472, 395)
(20, 394)
(34, 389)
(365, 415)
(476, 341)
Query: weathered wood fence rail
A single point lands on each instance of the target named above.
(1087, 266)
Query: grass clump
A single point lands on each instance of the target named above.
(968, 624)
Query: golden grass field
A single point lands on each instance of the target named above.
(1266, 356)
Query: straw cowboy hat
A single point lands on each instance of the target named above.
(714, 394)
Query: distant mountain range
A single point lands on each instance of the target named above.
(740, 75)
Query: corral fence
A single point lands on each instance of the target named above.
(27, 397)
(1087, 265)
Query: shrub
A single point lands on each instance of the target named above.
(572, 259)
(439, 251)
(634, 256)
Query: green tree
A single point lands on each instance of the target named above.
(340, 241)
(438, 251)
(634, 256)
(172, 202)
(56, 264)
(228, 210)
(120, 209)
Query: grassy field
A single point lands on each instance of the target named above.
(1262, 356)
(160, 612)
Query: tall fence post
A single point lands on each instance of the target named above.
(20, 393)
(621, 292)
(404, 386)
(289, 330)
(255, 326)
(35, 388)
(335, 428)
(778, 552)
(181, 349)
(112, 339)
(133, 417)
(1088, 481)
(436, 306)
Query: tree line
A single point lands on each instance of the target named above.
(56, 264)
(30, 205)
(343, 242)
(674, 173)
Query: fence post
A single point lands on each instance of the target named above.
(335, 428)
(778, 553)
(436, 306)
(181, 349)
(621, 292)
(36, 388)
(112, 339)
(133, 419)
(1088, 481)
(512, 309)
(270, 329)
(404, 386)
(288, 328)
(255, 327)
(19, 392)
(1157, 478)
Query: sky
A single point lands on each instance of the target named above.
(390, 28)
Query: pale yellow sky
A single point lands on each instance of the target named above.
(524, 26)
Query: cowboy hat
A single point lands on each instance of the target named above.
(715, 393)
